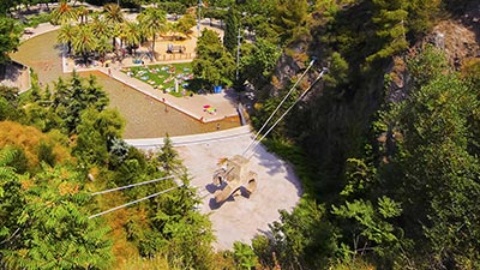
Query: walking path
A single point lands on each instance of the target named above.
(39, 30)
(155, 143)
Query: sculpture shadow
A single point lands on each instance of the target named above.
(214, 205)
(212, 187)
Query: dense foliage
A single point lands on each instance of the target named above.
(213, 64)
(398, 176)
(391, 181)
(9, 37)
(47, 169)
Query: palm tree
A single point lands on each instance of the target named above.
(153, 21)
(173, 29)
(113, 15)
(133, 35)
(82, 13)
(63, 14)
(103, 47)
(101, 28)
(84, 42)
(66, 36)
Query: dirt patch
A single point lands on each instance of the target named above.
(460, 42)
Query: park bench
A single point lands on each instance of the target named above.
(175, 49)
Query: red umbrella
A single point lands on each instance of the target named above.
(206, 106)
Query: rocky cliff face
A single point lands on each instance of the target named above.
(291, 65)
(335, 121)
(458, 38)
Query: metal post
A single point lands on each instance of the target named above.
(238, 52)
(199, 6)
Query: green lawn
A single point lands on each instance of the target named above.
(163, 77)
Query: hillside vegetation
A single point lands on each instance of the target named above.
(386, 145)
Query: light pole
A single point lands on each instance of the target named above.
(239, 37)
(199, 8)
(238, 53)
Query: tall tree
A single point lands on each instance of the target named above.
(390, 18)
(11, 201)
(101, 28)
(82, 13)
(64, 13)
(9, 37)
(153, 21)
(185, 24)
(290, 18)
(168, 156)
(84, 42)
(6, 5)
(113, 15)
(213, 63)
(258, 64)
(96, 131)
(73, 97)
(230, 38)
(67, 36)
(133, 35)
(103, 47)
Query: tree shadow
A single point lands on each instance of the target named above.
(266, 233)
(11, 71)
(232, 96)
(275, 165)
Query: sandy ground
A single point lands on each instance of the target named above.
(242, 218)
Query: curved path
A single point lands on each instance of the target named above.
(210, 137)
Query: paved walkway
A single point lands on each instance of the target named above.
(155, 143)
(40, 29)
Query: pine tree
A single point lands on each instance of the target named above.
(390, 18)
(168, 156)
(54, 229)
(231, 29)
(290, 18)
